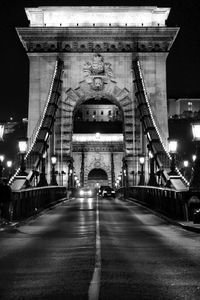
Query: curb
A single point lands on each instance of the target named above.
(169, 220)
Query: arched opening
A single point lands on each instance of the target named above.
(101, 134)
(97, 174)
(97, 177)
(100, 115)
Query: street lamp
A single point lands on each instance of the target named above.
(9, 166)
(43, 180)
(194, 157)
(152, 177)
(195, 180)
(53, 173)
(1, 165)
(141, 159)
(185, 168)
(173, 149)
(22, 145)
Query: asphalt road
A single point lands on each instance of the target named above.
(117, 249)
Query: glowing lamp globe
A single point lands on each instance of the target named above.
(194, 157)
(2, 158)
(150, 154)
(9, 163)
(141, 160)
(173, 146)
(53, 159)
(196, 131)
(22, 144)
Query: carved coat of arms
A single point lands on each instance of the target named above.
(97, 72)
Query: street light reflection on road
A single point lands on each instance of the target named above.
(86, 203)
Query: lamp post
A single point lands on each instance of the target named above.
(1, 165)
(195, 180)
(142, 179)
(62, 174)
(43, 180)
(185, 165)
(53, 173)
(173, 149)
(152, 177)
(22, 144)
(194, 157)
(9, 166)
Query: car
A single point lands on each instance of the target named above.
(106, 191)
(86, 192)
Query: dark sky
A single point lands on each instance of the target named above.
(183, 63)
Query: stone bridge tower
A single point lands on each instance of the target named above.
(98, 46)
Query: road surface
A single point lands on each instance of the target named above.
(99, 249)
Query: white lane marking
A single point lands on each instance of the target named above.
(95, 282)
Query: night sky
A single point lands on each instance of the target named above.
(183, 63)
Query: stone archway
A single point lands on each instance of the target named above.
(98, 83)
(120, 97)
(97, 177)
(97, 163)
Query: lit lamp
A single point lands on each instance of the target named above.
(43, 180)
(195, 180)
(53, 173)
(22, 145)
(1, 165)
(152, 177)
(194, 157)
(141, 160)
(9, 166)
(173, 149)
(185, 165)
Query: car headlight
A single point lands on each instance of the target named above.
(112, 192)
(81, 193)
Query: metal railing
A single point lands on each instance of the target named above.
(28, 202)
(169, 202)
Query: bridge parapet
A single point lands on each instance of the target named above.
(178, 205)
(28, 202)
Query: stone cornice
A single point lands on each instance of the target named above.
(99, 39)
(98, 147)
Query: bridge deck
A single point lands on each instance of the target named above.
(142, 256)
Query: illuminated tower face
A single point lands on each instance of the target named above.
(98, 46)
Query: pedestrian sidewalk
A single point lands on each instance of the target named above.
(184, 224)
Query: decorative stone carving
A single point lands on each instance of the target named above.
(97, 72)
(97, 67)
